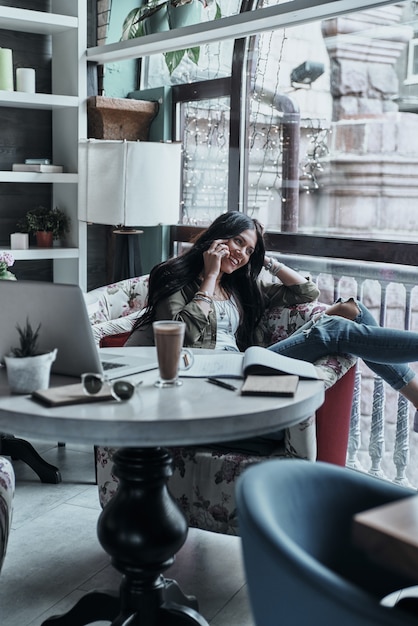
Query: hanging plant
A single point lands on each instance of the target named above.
(136, 24)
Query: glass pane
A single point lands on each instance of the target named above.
(356, 166)
(205, 173)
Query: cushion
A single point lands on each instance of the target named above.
(114, 341)
(118, 300)
(114, 327)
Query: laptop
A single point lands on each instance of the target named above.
(61, 310)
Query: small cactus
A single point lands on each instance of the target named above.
(28, 341)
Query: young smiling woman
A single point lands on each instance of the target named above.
(215, 289)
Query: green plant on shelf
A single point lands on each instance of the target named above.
(6, 260)
(45, 219)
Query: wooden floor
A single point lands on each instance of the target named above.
(54, 557)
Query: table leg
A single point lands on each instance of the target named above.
(141, 529)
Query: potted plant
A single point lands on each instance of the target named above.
(46, 224)
(160, 15)
(27, 368)
(6, 261)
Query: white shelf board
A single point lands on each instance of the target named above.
(291, 13)
(39, 22)
(36, 177)
(34, 254)
(22, 100)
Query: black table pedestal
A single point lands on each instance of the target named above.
(142, 529)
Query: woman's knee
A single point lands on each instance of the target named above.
(348, 309)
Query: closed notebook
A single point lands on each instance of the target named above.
(284, 385)
(69, 394)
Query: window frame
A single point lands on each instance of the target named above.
(240, 27)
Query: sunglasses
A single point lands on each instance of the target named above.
(121, 390)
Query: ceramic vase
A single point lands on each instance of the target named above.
(184, 15)
(6, 275)
(27, 374)
(157, 22)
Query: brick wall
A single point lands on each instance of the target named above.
(103, 17)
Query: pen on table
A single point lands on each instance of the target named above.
(221, 383)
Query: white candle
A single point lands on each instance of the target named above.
(19, 241)
(25, 79)
(6, 69)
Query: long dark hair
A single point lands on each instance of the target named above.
(174, 274)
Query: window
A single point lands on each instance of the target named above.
(356, 167)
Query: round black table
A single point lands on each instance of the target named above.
(142, 528)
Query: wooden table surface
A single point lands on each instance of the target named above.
(389, 534)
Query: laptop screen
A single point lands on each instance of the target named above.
(61, 311)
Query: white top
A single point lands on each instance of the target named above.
(227, 321)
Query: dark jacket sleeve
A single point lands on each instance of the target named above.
(200, 329)
(277, 294)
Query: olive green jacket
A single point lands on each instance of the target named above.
(201, 329)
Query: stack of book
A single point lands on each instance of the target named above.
(37, 165)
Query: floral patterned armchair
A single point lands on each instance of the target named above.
(203, 481)
(7, 490)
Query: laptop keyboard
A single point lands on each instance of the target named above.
(110, 365)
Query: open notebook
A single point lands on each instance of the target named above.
(65, 325)
(255, 360)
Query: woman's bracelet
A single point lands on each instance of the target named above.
(274, 266)
(277, 269)
(203, 299)
(269, 264)
(204, 296)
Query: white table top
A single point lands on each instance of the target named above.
(194, 413)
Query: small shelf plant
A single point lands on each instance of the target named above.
(6, 261)
(44, 219)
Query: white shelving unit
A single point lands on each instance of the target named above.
(66, 24)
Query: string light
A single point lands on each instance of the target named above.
(206, 135)
(316, 154)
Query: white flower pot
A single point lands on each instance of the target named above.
(29, 373)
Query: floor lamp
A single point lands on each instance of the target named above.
(129, 184)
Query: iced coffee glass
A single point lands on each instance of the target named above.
(169, 337)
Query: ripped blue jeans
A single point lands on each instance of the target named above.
(386, 351)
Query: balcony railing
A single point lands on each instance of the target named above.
(381, 439)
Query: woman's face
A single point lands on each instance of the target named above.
(240, 249)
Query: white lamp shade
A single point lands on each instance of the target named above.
(129, 183)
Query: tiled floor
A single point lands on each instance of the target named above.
(54, 557)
